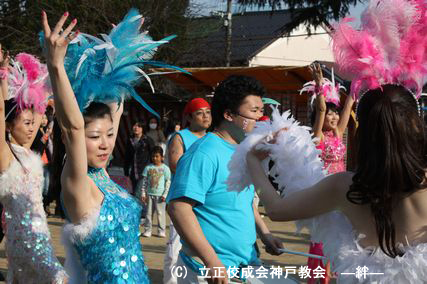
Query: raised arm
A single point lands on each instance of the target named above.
(320, 116)
(316, 71)
(4, 69)
(327, 195)
(5, 153)
(70, 120)
(345, 115)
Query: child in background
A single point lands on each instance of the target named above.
(153, 190)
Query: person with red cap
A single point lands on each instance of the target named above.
(197, 113)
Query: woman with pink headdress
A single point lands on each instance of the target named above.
(329, 125)
(372, 221)
(328, 120)
(29, 251)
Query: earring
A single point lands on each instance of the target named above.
(245, 124)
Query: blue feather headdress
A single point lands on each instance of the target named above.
(106, 70)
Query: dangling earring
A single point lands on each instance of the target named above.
(245, 124)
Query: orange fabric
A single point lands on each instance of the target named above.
(44, 158)
(313, 263)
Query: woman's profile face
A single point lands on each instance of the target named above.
(22, 127)
(99, 141)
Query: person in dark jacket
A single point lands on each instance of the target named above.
(138, 153)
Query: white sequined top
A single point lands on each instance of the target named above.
(29, 251)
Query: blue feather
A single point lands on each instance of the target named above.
(140, 100)
(106, 69)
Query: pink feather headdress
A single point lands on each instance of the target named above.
(329, 89)
(390, 47)
(28, 82)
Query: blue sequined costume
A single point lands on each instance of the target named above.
(107, 242)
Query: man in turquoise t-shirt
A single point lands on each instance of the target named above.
(218, 227)
(197, 112)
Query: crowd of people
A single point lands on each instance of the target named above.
(59, 123)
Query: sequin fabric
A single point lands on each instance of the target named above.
(111, 252)
(333, 152)
(30, 255)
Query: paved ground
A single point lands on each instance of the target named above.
(154, 247)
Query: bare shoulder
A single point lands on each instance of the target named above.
(342, 183)
(344, 176)
(343, 180)
(176, 142)
(339, 183)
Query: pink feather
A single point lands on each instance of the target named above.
(27, 82)
(391, 46)
(31, 65)
(328, 89)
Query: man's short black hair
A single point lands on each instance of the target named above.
(230, 94)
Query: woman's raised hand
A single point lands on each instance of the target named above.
(316, 72)
(56, 42)
(4, 70)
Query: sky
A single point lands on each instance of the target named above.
(208, 6)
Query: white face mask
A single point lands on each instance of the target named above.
(153, 126)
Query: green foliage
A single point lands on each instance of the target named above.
(20, 20)
(311, 13)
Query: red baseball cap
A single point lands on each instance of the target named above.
(196, 104)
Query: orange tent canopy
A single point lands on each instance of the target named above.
(276, 79)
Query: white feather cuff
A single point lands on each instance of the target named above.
(294, 153)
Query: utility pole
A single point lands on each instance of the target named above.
(227, 24)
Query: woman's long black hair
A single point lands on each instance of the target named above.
(11, 111)
(391, 157)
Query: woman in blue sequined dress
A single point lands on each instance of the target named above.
(103, 233)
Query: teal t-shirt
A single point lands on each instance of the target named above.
(226, 217)
(188, 138)
(157, 177)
